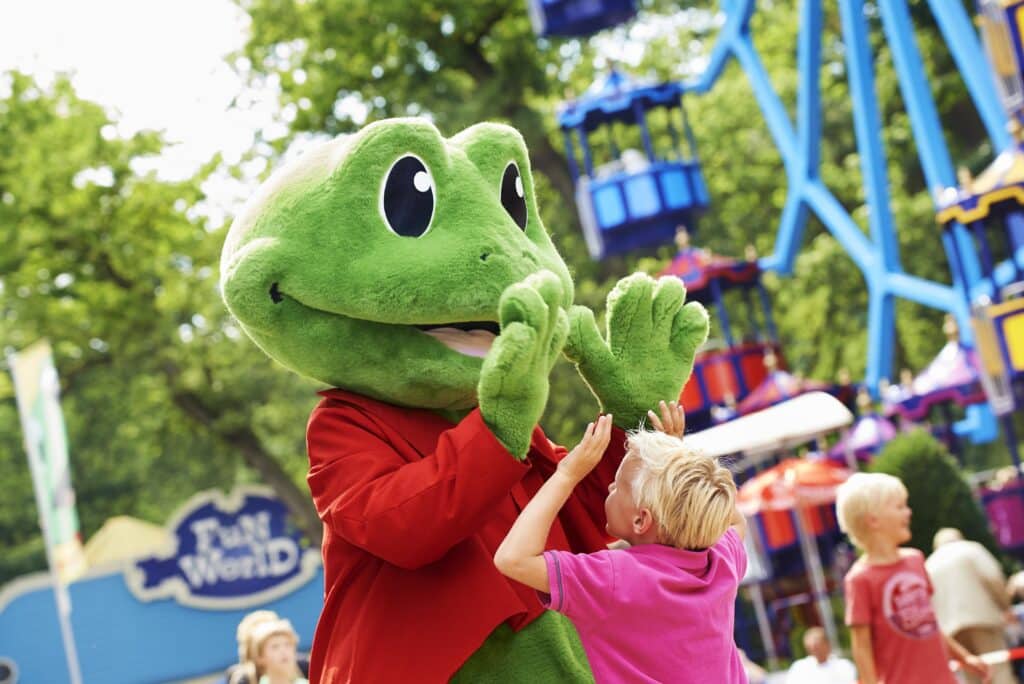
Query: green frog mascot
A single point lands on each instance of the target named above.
(411, 274)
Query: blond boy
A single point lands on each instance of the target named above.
(895, 637)
(661, 609)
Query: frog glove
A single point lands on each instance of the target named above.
(646, 354)
(513, 389)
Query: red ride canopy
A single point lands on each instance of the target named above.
(793, 481)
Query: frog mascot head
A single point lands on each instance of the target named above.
(376, 263)
(414, 273)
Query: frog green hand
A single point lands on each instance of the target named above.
(647, 354)
(513, 389)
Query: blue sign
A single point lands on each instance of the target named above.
(228, 552)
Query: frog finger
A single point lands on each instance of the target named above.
(521, 303)
(584, 340)
(559, 333)
(551, 291)
(689, 331)
(629, 312)
(511, 398)
(516, 346)
(669, 294)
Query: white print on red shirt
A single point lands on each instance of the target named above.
(907, 606)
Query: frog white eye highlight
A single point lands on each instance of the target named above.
(407, 197)
(422, 181)
(512, 196)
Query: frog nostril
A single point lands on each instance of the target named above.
(275, 294)
(485, 256)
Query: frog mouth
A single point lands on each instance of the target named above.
(471, 338)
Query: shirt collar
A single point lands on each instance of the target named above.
(681, 558)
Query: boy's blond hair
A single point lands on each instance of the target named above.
(858, 496)
(691, 497)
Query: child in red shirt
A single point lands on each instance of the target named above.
(895, 638)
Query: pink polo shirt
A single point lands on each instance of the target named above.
(653, 613)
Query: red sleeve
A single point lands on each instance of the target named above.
(406, 513)
(858, 599)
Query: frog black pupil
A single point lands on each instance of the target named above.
(512, 196)
(408, 197)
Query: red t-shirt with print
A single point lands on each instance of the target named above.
(894, 600)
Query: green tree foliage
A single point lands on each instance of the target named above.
(160, 396)
(938, 494)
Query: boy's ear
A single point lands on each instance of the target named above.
(643, 521)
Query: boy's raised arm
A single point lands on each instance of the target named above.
(521, 554)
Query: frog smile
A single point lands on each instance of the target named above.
(470, 338)
(468, 341)
(471, 326)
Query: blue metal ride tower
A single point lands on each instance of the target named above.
(877, 254)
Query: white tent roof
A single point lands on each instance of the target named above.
(783, 426)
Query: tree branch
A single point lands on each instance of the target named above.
(256, 457)
(476, 64)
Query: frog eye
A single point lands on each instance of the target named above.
(512, 196)
(407, 198)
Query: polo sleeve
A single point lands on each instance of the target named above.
(857, 592)
(581, 583)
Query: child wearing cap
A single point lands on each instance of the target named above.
(267, 651)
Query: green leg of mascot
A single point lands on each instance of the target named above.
(411, 273)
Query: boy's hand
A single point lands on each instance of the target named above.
(977, 667)
(672, 421)
(589, 451)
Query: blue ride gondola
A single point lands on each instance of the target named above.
(578, 17)
(637, 198)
